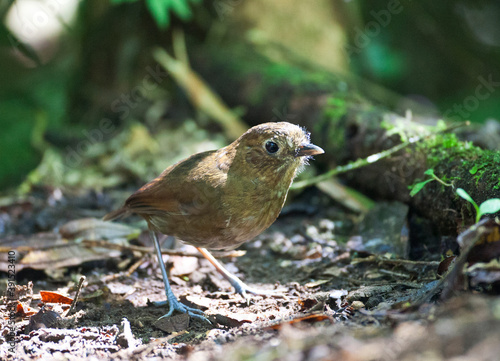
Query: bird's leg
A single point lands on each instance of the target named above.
(173, 303)
(238, 284)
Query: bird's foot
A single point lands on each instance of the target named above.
(239, 286)
(243, 289)
(175, 305)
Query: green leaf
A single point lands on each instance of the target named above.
(474, 169)
(490, 206)
(181, 8)
(429, 172)
(462, 193)
(159, 11)
(418, 187)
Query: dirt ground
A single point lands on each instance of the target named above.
(332, 301)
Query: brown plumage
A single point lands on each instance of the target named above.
(219, 199)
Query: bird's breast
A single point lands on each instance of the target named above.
(253, 209)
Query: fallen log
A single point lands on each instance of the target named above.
(348, 124)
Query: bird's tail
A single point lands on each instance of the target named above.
(118, 213)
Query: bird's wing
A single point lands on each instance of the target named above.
(185, 188)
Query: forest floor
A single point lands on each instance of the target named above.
(333, 300)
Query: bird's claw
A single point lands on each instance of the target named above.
(175, 305)
(243, 289)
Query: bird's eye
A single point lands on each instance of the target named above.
(272, 147)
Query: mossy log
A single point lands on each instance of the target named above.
(346, 121)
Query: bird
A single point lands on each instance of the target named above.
(220, 199)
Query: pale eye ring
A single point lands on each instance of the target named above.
(272, 147)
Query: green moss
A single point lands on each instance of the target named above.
(444, 147)
(446, 152)
(485, 168)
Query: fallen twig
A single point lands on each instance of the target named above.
(75, 300)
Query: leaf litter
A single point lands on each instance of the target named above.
(334, 298)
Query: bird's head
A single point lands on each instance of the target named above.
(273, 150)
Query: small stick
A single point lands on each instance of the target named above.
(77, 295)
(135, 266)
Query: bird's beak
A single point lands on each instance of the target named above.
(308, 150)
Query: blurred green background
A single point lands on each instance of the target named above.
(74, 74)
